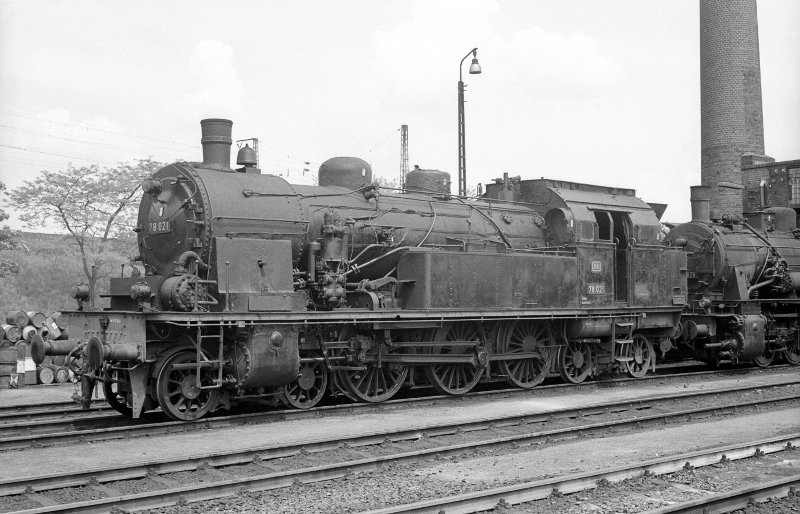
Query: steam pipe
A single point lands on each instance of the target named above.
(185, 257)
(759, 286)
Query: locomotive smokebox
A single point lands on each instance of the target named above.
(700, 198)
(216, 141)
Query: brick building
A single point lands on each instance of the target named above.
(775, 184)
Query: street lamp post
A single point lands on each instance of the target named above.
(474, 69)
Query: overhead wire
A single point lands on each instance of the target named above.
(283, 162)
(84, 126)
(94, 142)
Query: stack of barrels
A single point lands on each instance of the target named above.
(17, 368)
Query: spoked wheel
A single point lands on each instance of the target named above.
(641, 353)
(530, 337)
(456, 378)
(309, 387)
(117, 389)
(764, 360)
(792, 351)
(575, 362)
(177, 392)
(374, 383)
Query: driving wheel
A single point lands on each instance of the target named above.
(530, 340)
(369, 381)
(459, 377)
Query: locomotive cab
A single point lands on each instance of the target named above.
(616, 234)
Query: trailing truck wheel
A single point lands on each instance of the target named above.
(456, 378)
(641, 353)
(176, 389)
(525, 337)
(117, 389)
(575, 362)
(308, 388)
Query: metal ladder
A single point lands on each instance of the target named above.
(621, 343)
(203, 362)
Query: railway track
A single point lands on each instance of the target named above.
(355, 455)
(740, 499)
(108, 425)
(19, 413)
(539, 489)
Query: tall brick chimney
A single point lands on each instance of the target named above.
(732, 126)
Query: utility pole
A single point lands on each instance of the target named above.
(403, 155)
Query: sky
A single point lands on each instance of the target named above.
(604, 92)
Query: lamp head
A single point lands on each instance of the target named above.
(475, 67)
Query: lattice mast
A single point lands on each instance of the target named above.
(403, 155)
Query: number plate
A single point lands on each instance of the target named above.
(159, 227)
(597, 289)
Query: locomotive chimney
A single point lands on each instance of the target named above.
(216, 141)
(700, 199)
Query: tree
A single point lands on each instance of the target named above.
(94, 205)
(9, 241)
(3, 215)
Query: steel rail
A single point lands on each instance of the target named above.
(734, 500)
(33, 435)
(73, 478)
(23, 409)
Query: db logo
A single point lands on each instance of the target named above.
(597, 267)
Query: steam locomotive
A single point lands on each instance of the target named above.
(254, 288)
(743, 280)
